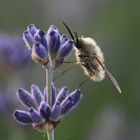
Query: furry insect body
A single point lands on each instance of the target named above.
(90, 57)
(86, 55)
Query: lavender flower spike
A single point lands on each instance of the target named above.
(53, 44)
(46, 117)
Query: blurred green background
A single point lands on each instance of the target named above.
(103, 114)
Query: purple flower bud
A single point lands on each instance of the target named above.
(52, 28)
(39, 34)
(40, 50)
(66, 106)
(39, 53)
(32, 29)
(22, 117)
(69, 103)
(53, 93)
(40, 37)
(45, 110)
(53, 40)
(63, 39)
(55, 112)
(65, 49)
(63, 93)
(35, 116)
(28, 38)
(25, 98)
(37, 94)
(76, 96)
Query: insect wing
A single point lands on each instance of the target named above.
(113, 80)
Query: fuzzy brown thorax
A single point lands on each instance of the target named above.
(86, 52)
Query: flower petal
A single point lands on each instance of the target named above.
(40, 50)
(70, 102)
(53, 40)
(76, 96)
(32, 29)
(37, 94)
(52, 28)
(22, 117)
(63, 93)
(55, 112)
(40, 37)
(65, 49)
(28, 38)
(39, 53)
(63, 39)
(45, 110)
(35, 116)
(25, 98)
(66, 106)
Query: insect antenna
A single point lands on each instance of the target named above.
(69, 30)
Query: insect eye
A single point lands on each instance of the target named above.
(77, 46)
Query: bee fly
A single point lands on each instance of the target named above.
(91, 58)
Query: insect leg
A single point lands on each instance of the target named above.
(66, 70)
(83, 55)
(84, 81)
(70, 62)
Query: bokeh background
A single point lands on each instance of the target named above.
(103, 114)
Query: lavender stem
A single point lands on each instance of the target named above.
(49, 74)
(50, 135)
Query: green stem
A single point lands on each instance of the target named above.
(49, 74)
(50, 135)
(48, 97)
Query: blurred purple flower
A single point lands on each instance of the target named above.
(6, 104)
(12, 52)
(48, 49)
(40, 114)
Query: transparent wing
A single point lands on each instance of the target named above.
(110, 76)
(113, 80)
